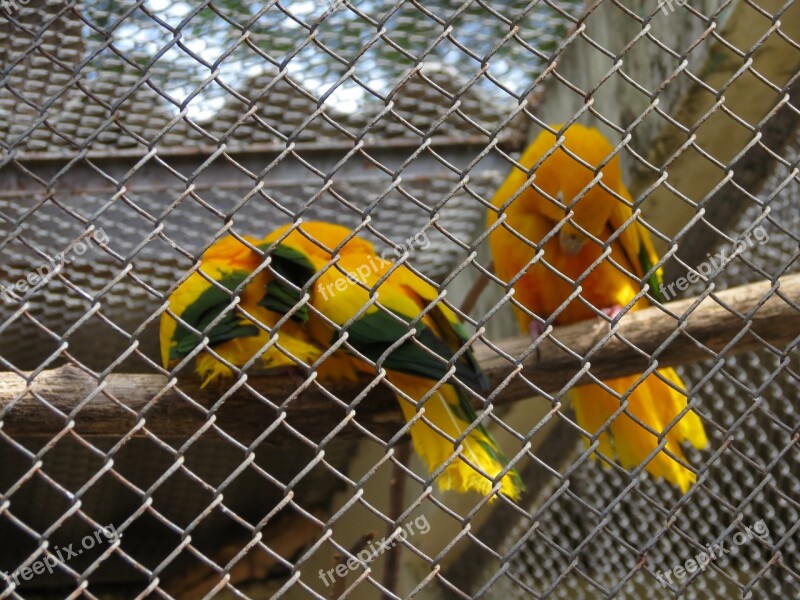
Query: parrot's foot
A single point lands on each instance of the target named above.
(612, 312)
(536, 330)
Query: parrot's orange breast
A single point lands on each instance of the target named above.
(603, 286)
(548, 287)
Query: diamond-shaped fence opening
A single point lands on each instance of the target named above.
(141, 138)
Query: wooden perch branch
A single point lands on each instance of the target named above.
(121, 401)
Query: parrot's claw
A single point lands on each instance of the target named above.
(612, 312)
(536, 330)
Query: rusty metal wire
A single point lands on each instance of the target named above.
(152, 129)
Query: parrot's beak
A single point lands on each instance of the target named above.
(571, 243)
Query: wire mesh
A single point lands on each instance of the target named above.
(142, 132)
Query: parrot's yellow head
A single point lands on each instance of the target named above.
(565, 178)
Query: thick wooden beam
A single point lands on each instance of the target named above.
(737, 320)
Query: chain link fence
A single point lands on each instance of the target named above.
(135, 134)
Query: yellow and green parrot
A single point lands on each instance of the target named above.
(382, 316)
(546, 288)
(239, 334)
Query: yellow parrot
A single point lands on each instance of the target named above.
(414, 363)
(376, 304)
(239, 334)
(604, 288)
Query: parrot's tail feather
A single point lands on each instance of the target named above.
(653, 402)
(445, 410)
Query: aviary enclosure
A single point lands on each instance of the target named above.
(141, 139)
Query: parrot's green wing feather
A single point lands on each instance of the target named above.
(638, 247)
(200, 313)
(374, 333)
(295, 268)
(455, 336)
(656, 279)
